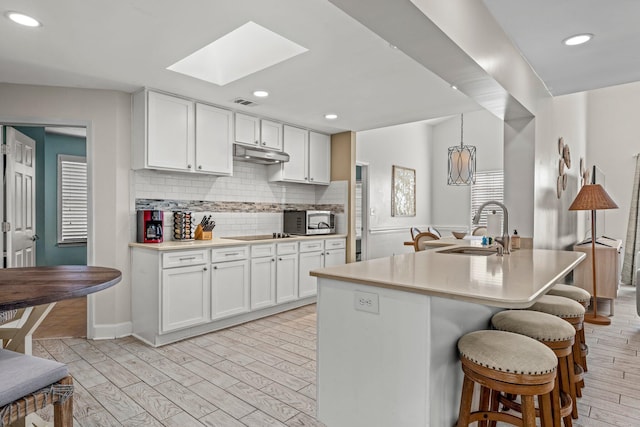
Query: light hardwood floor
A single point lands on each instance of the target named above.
(262, 374)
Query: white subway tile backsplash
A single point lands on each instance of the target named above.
(248, 184)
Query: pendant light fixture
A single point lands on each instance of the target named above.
(462, 161)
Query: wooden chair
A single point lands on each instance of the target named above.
(28, 383)
(414, 232)
(17, 326)
(479, 231)
(420, 240)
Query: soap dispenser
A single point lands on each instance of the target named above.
(515, 240)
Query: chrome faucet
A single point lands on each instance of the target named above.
(505, 241)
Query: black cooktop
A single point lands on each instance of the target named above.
(260, 237)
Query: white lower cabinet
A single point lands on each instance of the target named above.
(335, 252)
(317, 254)
(185, 297)
(229, 288)
(263, 276)
(307, 285)
(178, 294)
(287, 278)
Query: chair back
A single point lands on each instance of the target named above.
(419, 242)
(414, 232)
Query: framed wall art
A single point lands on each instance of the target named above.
(403, 191)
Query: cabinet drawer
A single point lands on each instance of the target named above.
(311, 246)
(287, 248)
(263, 250)
(229, 254)
(334, 244)
(184, 258)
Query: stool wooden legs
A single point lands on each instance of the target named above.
(493, 382)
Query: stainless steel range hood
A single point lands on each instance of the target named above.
(259, 155)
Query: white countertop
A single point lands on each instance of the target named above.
(509, 281)
(217, 241)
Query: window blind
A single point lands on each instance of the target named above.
(72, 199)
(489, 186)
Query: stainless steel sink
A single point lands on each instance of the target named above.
(470, 250)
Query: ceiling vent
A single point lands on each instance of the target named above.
(244, 102)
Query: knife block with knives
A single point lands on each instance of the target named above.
(204, 230)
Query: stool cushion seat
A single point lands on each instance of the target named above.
(21, 375)
(508, 352)
(570, 291)
(534, 324)
(558, 306)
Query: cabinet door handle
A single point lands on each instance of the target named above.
(257, 142)
(279, 259)
(327, 253)
(322, 253)
(199, 166)
(188, 166)
(204, 269)
(187, 258)
(273, 260)
(311, 179)
(215, 267)
(232, 254)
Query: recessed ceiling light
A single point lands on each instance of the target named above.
(331, 116)
(261, 93)
(577, 39)
(220, 62)
(454, 87)
(22, 19)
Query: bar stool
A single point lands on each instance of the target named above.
(573, 313)
(584, 298)
(504, 362)
(559, 336)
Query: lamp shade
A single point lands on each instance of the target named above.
(592, 197)
(462, 165)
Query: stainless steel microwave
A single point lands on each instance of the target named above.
(308, 223)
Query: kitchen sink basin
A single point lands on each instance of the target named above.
(470, 250)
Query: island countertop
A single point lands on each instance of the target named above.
(515, 280)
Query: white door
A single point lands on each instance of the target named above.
(20, 199)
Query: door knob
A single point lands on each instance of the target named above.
(35, 237)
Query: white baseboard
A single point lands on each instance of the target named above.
(107, 332)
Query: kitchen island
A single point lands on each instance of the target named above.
(388, 328)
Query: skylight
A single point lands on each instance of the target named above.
(243, 51)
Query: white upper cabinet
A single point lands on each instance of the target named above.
(170, 137)
(258, 133)
(214, 144)
(247, 129)
(173, 133)
(309, 158)
(271, 135)
(319, 158)
(296, 145)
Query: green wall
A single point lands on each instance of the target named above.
(48, 146)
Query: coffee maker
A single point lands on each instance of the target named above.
(150, 226)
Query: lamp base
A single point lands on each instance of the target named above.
(596, 319)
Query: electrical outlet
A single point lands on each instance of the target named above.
(366, 301)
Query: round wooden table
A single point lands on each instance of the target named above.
(33, 291)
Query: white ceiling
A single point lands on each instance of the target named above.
(349, 70)
(538, 28)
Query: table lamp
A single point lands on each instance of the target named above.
(593, 197)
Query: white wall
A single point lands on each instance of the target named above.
(555, 227)
(107, 115)
(613, 140)
(403, 145)
(450, 204)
